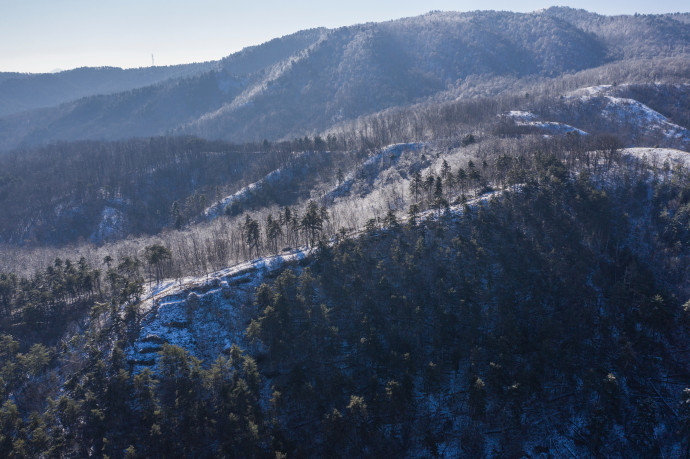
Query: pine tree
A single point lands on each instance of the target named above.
(416, 185)
(312, 221)
(252, 234)
(462, 180)
(429, 185)
(155, 256)
(391, 220)
(440, 202)
(445, 170)
(413, 214)
(273, 232)
(176, 215)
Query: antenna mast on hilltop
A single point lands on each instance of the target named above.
(152, 62)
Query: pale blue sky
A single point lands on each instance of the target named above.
(44, 35)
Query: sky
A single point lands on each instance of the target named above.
(48, 35)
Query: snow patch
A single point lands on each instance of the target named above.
(111, 224)
(523, 118)
(646, 122)
(219, 207)
(201, 314)
(371, 168)
(648, 119)
(657, 156)
(556, 128)
(521, 115)
(591, 91)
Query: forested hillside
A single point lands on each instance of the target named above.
(21, 92)
(105, 191)
(308, 81)
(425, 337)
(101, 191)
(453, 235)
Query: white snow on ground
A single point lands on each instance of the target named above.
(649, 120)
(657, 156)
(607, 89)
(110, 225)
(458, 209)
(635, 108)
(398, 148)
(391, 152)
(369, 171)
(591, 91)
(219, 207)
(171, 287)
(622, 110)
(204, 315)
(519, 115)
(385, 185)
(555, 127)
(523, 118)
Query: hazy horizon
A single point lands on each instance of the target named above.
(43, 36)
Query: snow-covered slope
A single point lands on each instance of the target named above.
(362, 180)
(524, 118)
(205, 315)
(607, 107)
(611, 110)
(649, 121)
(657, 157)
(217, 208)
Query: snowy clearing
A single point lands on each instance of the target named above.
(657, 156)
(523, 118)
(219, 207)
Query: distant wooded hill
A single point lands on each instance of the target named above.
(24, 91)
(314, 79)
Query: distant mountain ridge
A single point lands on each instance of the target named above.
(25, 91)
(312, 79)
(638, 36)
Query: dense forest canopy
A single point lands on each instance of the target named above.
(428, 336)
